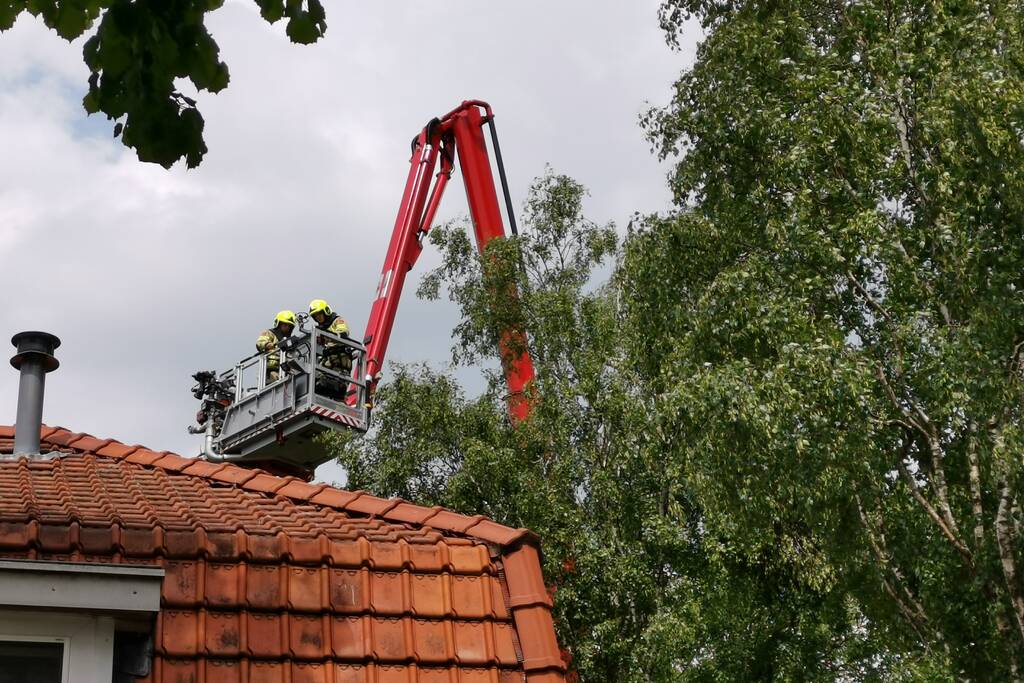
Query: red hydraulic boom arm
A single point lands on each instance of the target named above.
(434, 148)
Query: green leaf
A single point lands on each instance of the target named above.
(140, 49)
(9, 11)
(271, 10)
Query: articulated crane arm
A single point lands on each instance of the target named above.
(461, 129)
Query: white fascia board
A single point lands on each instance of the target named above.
(80, 586)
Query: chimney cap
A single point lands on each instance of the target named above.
(38, 344)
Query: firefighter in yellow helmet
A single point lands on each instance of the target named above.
(335, 357)
(270, 339)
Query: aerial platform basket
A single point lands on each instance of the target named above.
(259, 420)
(247, 419)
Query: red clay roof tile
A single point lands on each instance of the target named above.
(389, 640)
(174, 463)
(301, 490)
(266, 672)
(305, 589)
(265, 635)
(265, 483)
(371, 505)
(114, 449)
(412, 514)
(271, 579)
(332, 497)
(202, 468)
(499, 534)
(471, 642)
(448, 520)
(233, 474)
(143, 456)
(223, 632)
(350, 638)
(87, 442)
(431, 641)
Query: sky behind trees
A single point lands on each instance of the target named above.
(148, 275)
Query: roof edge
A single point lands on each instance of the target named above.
(530, 604)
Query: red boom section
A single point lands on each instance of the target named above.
(462, 130)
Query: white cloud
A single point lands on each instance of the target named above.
(148, 275)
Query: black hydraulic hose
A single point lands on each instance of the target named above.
(501, 175)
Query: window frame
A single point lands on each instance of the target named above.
(80, 604)
(88, 640)
(65, 654)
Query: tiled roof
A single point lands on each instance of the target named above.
(272, 579)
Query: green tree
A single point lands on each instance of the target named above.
(140, 48)
(844, 361)
(643, 590)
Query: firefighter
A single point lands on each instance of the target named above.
(335, 355)
(267, 342)
(329, 321)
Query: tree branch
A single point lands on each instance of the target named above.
(1014, 365)
(915, 491)
(974, 472)
(938, 477)
(919, 419)
(903, 410)
(905, 125)
(866, 295)
(908, 615)
(910, 607)
(1003, 626)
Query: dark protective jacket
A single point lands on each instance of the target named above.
(339, 362)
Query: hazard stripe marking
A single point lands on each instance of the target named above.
(336, 416)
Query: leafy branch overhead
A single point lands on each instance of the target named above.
(138, 51)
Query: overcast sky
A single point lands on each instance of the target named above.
(148, 275)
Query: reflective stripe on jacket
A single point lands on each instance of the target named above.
(267, 343)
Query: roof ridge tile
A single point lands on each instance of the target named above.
(300, 490)
(264, 482)
(411, 513)
(203, 468)
(77, 437)
(368, 504)
(233, 474)
(172, 461)
(500, 534)
(60, 436)
(332, 497)
(94, 444)
(44, 434)
(143, 456)
(473, 521)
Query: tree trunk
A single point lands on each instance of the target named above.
(1005, 538)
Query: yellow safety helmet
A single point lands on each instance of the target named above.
(319, 306)
(285, 317)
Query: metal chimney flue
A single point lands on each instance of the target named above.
(34, 359)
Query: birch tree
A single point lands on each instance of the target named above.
(848, 179)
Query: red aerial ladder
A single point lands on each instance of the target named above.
(461, 131)
(246, 416)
